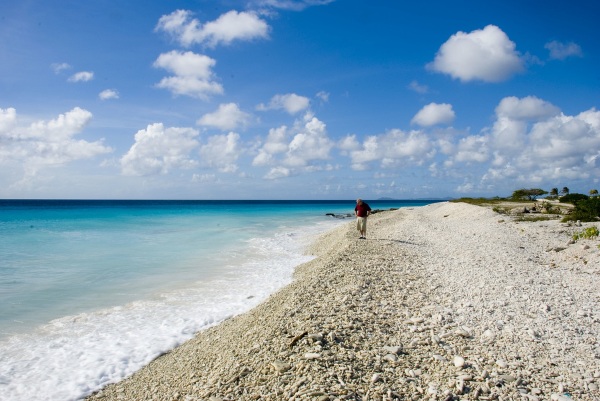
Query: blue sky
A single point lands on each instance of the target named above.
(307, 99)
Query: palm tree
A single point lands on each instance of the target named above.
(565, 191)
(554, 192)
(593, 192)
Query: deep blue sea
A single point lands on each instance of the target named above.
(91, 291)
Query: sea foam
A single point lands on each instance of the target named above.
(73, 356)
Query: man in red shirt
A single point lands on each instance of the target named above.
(362, 211)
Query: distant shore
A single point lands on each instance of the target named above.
(445, 301)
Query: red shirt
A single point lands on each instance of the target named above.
(362, 209)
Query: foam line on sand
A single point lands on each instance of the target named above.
(446, 301)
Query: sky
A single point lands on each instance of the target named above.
(297, 99)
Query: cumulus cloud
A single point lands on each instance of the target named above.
(291, 103)
(159, 150)
(82, 76)
(227, 117)
(472, 149)
(8, 120)
(560, 51)
(349, 142)
(276, 143)
(108, 94)
(229, 27)
(486, 54)
(298, 148)
(434, 114)
(532, 141)
(221, 152)
(527, 108)
(193, 74)
(391, 149)
(277, 172)
(310, 143)
(46, 143)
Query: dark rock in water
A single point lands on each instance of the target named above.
(339, 216)
(383, 210)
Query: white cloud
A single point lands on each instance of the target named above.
(415, 86)
(348, 143)
(290, 102)
(560, 51)
(294, 5)
(227, 117)
(555, 147)
(486, 55)
(324, 96)
(221, 152)
(276, 143)
(108, 94)
(46, 143)
(82, 76)
(8, 120)
(193, 74)
(393, 148)
(472, 149)
(310, 143)
(277, 172)
(527, 108)
(229, 27)
(300, 147)
(159, 150)
(59, 67)
(434, 114)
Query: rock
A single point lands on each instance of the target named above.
(390, 358)
(281, 366)
(396, 349)
(312, 355)
(458, 361)
(502, 363)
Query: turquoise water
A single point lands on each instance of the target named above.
(90, 291)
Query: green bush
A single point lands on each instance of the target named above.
(585, 210)
(588, 233)
(573, 198)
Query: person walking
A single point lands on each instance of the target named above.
(362, 211)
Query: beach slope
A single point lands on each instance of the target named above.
(446, 301)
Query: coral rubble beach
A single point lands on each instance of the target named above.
(446, 301)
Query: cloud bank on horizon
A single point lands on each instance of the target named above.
(257, 102)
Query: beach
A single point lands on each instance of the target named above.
(445, 301)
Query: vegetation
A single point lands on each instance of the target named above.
(529, 194)
(536, 217)
(479, 201)
(585, 210)
(588, 233)
(573, 198)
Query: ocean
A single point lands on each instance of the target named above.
(91, 291)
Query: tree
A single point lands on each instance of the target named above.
(565, 191)
(529, 194)
(554, 192)
(593, 192)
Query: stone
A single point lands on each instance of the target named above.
(458, 361)
(281, 366)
